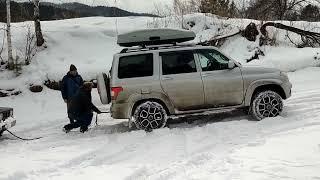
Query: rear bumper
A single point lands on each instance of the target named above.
(7, 124)
(119, 111)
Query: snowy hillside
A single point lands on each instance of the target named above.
(226, 145)
(90, 44)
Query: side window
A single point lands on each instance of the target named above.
(212, 60)
(135, 66)
(178, 62)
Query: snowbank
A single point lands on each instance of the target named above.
(90, 43)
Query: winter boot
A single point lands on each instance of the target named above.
(66, 129)
(83, 129)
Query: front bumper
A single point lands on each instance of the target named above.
(7, 123)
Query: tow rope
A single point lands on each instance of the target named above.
(31, 139)
(24, 139)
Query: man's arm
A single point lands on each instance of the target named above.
(63, 89)
(81, 81)
(94, 108)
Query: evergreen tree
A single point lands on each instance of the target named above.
(217, 7)
(233, 11)
(310, 13)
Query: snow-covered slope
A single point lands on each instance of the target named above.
(90, 43)
(227, 145)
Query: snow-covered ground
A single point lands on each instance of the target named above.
(220, 146)
(227, 145)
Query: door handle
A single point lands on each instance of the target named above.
(167, 78)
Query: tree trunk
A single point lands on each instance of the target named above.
(9, 43)
(37, 24)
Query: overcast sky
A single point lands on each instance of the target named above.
(131, 5)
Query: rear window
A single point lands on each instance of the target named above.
(178, 62)
(135, 66)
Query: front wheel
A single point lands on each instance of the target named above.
(150, 115)
(266, 104)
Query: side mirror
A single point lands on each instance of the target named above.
(231, 65)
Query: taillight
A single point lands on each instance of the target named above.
(115, 91)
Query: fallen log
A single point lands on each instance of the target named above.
(309, 39)
(9, 92)
(250, 33)
(218, 41)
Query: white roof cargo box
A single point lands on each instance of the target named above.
(154, 37)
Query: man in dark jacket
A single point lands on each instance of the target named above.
(69, 87)
(81, 108)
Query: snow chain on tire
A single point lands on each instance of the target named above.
(266, 104)
(150, 115)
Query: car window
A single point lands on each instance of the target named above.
(212, 60)
(135, 66)
(178, 62)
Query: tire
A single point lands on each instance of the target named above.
(266, 104)
(104, 88)
(150, 115)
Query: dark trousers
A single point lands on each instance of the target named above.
(70, 116)
(83, 121)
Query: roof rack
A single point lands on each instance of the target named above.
(156, 47)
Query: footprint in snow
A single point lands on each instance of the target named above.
(256, 143)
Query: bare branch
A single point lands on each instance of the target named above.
(309, 38)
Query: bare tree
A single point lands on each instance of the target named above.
(30, 46)
(183, 7)
(165, 12)
(2, 45)
(180, 10)
(217, 7)
(275, 9)
(9, 43)
(37, 24)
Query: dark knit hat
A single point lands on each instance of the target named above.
(73, 67)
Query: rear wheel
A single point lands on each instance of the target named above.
(266, 104)
(150, 115)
